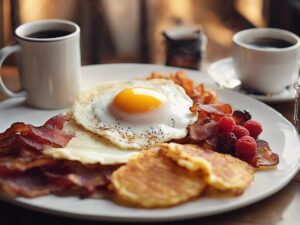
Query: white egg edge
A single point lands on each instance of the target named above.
(89, 94)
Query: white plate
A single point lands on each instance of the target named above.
(223, 73)
(277, 131)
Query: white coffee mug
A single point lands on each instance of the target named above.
(49, 63)
(262, 68)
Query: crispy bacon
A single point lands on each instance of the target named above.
(56, 178)
(201, 130)
(85, 179)
(39, 175)
(213, 111)
(50, 136)
(198, 93)
(31, 183)
(206, 127)
(264, 156)
(25, 171)
(20, 164)
(57, 122)
(21, 135)
(17, 141)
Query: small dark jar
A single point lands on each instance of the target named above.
(184, 47)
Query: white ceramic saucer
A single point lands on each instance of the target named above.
(223, 73)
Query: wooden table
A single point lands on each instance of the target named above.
(282, 208)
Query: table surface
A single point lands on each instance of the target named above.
(280, 209)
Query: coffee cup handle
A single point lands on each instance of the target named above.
(4, 53)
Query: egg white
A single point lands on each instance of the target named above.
(89, 148)
(92, 110)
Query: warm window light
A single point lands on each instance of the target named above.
(6, 23)
(46, 9)
(252, 10)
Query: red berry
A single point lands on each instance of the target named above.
(245, 148)
(254, 128)
(226, 124)
(226, 143)
(240, 131)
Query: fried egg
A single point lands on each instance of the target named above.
(89, 148)
(135, 113)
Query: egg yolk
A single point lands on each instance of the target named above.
(138, 100)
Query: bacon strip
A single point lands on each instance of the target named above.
(85, 179)
(264, 155)
(19, 164)
(44, 176)
(201, 130)
(31, 183)
(198, 93)
(25, 135)
(25, 171)
(213, 111)
(56, 122)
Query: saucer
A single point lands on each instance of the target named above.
(222, 72)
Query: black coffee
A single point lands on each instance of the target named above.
(266, 42)
(49, 34)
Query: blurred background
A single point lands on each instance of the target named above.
(130, 30)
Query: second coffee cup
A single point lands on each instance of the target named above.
(266, 59)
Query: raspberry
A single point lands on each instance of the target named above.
(240, 131)
(245, 148)
(226, 143)
(254, 128)
(226, 124)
